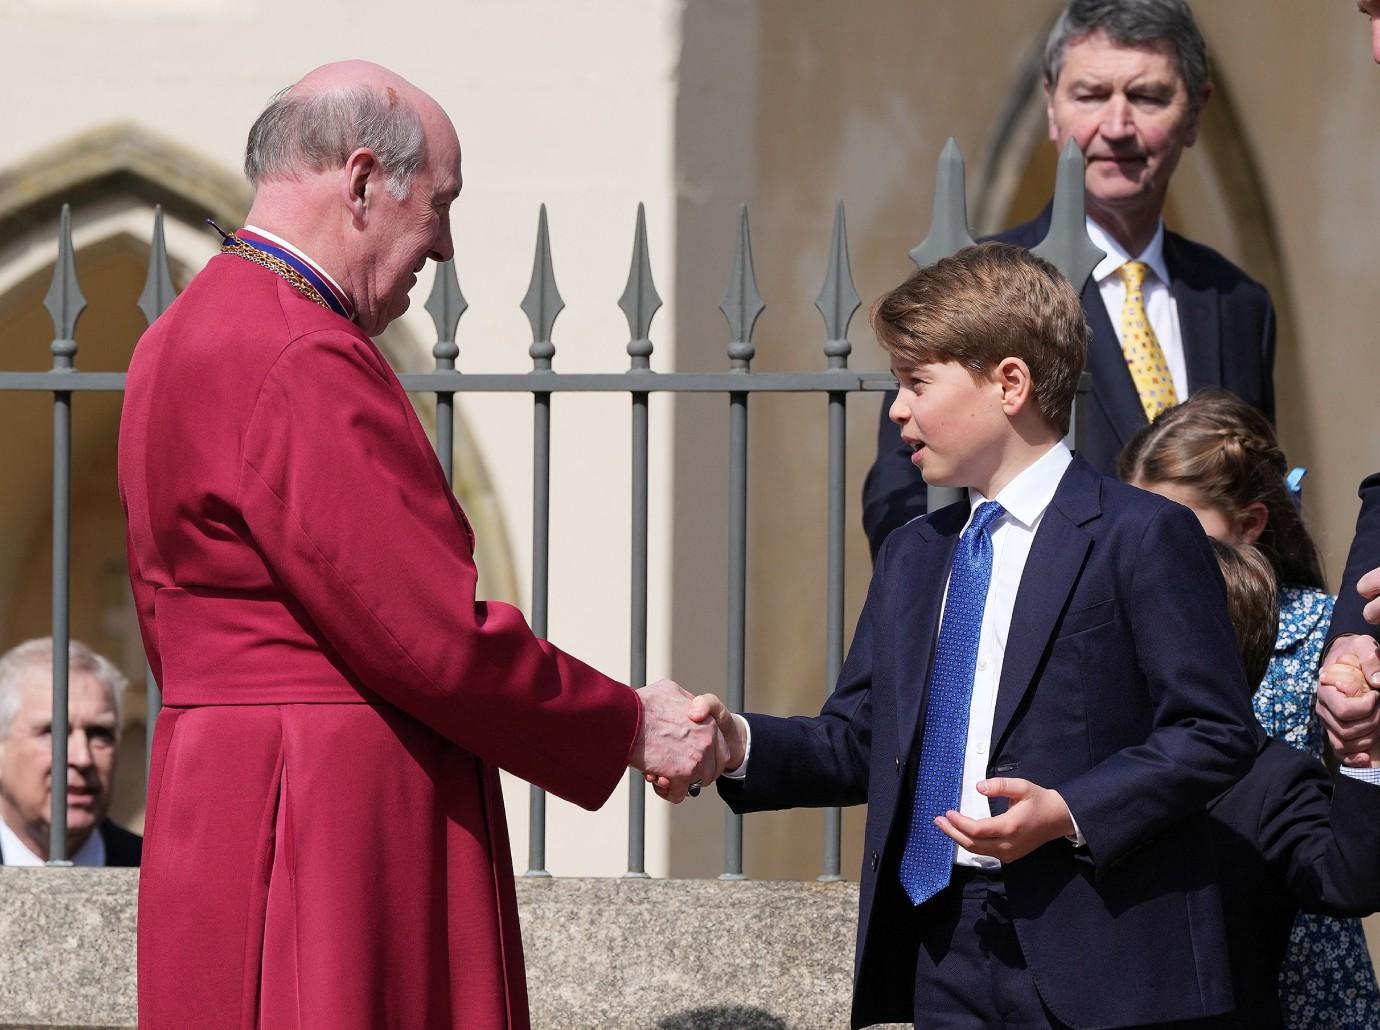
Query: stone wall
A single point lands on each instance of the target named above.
(607, 954)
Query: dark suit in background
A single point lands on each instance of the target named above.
(122, 848)
(1121, 687)
(1364, 556)
(1228, 328)
(1289, 837)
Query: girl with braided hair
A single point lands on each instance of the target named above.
(1219, 456)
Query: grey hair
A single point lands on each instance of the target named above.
(321, 129)
(1133, 23)
(38, 653)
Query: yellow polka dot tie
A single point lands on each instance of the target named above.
(1140, 346)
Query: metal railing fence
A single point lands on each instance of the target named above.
(1067, 246)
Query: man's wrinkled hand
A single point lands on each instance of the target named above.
(671, 749)
(1352, 721)
(1037, 815)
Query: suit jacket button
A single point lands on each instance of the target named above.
(898, 765)
(874, 861)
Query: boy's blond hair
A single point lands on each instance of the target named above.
(985, 303)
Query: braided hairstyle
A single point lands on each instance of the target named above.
(1224, 451)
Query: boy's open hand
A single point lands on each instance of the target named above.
(1037, 815)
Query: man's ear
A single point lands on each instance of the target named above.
(1252, 520)
(361, 173)
(1012, 376)
(1049, 114)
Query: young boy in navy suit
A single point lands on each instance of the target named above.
(1042, 694)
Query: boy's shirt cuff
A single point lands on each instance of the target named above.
(1075, 838)
(745, 728)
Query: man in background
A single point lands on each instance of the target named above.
(1127, 80)
(95, 692)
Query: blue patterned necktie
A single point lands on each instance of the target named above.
(928, 858)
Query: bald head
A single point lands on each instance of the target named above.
(357, 167)
(315, 124)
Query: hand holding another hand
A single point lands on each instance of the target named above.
(1350, 714)
(672, 750)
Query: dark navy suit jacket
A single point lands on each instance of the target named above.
(1121, 686)
(1289, 837)
(1364, 556)
(1228, 330)
(122, 848)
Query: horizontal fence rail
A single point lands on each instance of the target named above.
(1067, 247)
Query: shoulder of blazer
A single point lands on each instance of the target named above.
(122, 848)
(1201, 267)
(1026, 234)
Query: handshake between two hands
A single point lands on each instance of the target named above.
(685, 741)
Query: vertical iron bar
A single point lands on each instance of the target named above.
(833, 649)
(541, 542)
(157, 295)
(639, 303)
(637, 669)
(837, 302)
(65, 303)
(741, 306)
(737, 602)
(541, 304)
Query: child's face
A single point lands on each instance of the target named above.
(953, 422)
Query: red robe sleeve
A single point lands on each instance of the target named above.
(344, 499)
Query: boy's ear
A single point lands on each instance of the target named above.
(1252, 520)
(1012, 375)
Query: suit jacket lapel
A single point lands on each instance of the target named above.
(1198, 322)
(1056, 559)
(917, 625)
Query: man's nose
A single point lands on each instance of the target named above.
(1117, 121)
(444, 248)
(78, 749)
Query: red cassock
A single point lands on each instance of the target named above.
(325, 841)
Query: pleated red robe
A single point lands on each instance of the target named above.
(325, 841)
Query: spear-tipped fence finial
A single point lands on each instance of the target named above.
(64, 300)
(446, 304)
(640, 301)
(543, 301)
(949, 223)
(158, 287)
(1066, 246)
(742, 304)
(838, 299)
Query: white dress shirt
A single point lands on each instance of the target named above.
(1160, 305)
(1025, 499)
(16, 853)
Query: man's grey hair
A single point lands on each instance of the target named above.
(320, 129)
(1133, 23)
(38, 653)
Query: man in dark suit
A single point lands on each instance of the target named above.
(1127, 80)
(1043, 674)
(1353, 724)
(95, 691)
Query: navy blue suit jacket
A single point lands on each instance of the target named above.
(1228, 329)
(1121, 686)
(1289, 837)
(1364, 556)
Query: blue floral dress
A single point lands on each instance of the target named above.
(1327, 982)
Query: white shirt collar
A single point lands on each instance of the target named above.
(1027, 496)
(1152, 255)
(16, 853)
(274, 238)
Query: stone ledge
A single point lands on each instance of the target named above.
(607, 954)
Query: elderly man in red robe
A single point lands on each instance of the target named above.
(325, 843)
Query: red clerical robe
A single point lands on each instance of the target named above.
(325, 841)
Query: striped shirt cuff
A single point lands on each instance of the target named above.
(1371, 775)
